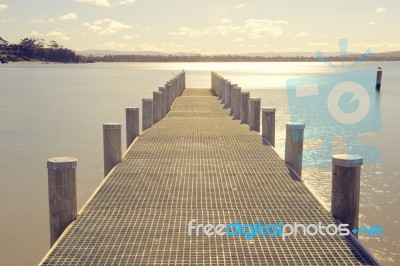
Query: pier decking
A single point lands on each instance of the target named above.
(199, 163)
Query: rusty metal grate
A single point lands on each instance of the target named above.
(198, 163)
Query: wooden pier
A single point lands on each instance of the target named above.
(200, 163)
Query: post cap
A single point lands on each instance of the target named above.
(111, 126)
(162, 88)
(245, 92)
(269, 109)
(295, 125)
(147, 100)
(56, 163)
(255, 99)
(347, 160)
(131, 108)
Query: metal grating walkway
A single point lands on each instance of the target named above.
(198, 163)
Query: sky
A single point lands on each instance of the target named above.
(205, 26)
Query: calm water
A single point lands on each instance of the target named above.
(58, 110)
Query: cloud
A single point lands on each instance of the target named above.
(372, 23)
(107, 3)
(130, 37)
(239, 6)
(218, 30)
(113, 45)
(301, 34)
(258, 28)
(380, 10)
(3, 7)
(35, 33)
(226, 21)
(238, 40)
(126, 2)
(39, 21)
(7, 20)
(317, 44)
(254, 28)
(69, 16)
(105, 26)
(58, 34)
(103, 3)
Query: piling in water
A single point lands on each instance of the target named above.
(254, 114)
(294, 146)
(111, 146)
(132, 124)
(244, 107)
(157, 106)
(62, 194)
(147, 114)
(268, 125)
(346, 170)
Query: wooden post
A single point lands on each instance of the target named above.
(223, 90)
(378, 79)
(268, 124)
(294, 146)
(346, 172)
(174, 88)
(111, 146)
(163, 90)
(184, 81)
(236, 100)
(213, 82)
(62, 194)
(170, 98)
(232, 100)
(219, 87)
(147, 114)
(254, 114)
(157, 106)
(228, 94)
(244, 107)
(132, 124)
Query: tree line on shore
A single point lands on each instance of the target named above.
(33, 48)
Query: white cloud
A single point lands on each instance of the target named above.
(258, 28)
(238, 40)
(69, 16)
(380, 10)
(301, 34)
(106, 26)
(7, 20)
(238, 6)
(126, 2)
(254, 28)
(35, 33)
(226, 21)
(130, 37)
(39, 21)
(51, 20)
(3, 7)
(113, 45)
(59, 35)
(316, 44)
(103, 3)
(218, 30)
(372, 23)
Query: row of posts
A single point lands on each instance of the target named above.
(62, 170)
(346, 168)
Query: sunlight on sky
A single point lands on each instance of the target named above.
(206, 27)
